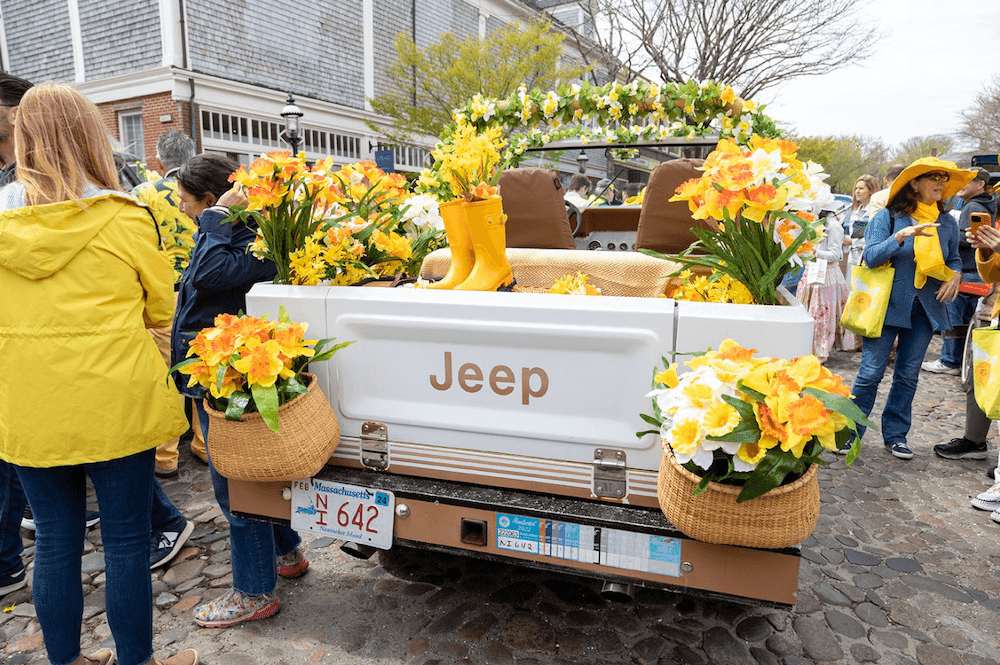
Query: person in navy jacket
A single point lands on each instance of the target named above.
(903, 236)
(216, 281)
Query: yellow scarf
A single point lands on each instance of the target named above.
(927, 249)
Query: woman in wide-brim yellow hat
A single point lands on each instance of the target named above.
(920, 241)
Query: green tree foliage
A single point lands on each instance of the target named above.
(425, 85)
(914, 148)
(845, 158)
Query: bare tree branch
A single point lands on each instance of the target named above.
(751, 44)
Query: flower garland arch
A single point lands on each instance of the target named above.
(613, 113)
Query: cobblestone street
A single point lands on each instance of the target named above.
(900, 570)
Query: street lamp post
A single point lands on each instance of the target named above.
(582, 160)
(292, 134)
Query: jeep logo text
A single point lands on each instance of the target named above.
(502, 381)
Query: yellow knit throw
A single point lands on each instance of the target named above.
(927, 249)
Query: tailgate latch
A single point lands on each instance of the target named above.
(609, 473)
(375, 445)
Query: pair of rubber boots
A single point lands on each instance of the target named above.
(478, 244)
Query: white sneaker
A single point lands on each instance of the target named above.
(995, 516)
(988, 500)
(939, 367)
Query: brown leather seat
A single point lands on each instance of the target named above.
(665, 227)
(535, 208)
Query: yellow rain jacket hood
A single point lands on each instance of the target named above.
(83, 380)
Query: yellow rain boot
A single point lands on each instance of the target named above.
(489, 237)
(462, 255)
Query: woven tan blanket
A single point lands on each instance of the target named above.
(614, 273)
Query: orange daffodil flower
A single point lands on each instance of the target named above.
(251, 355)
(763, 182)
(260, 362)
(785, 416)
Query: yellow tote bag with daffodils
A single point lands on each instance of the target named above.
(864, 312)
(986, 370)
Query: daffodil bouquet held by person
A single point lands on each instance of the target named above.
(751, 422)
(321, 223)
(766, 202)
(248, 363)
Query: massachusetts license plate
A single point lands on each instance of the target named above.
(358, 514)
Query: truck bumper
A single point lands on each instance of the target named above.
(603, 540)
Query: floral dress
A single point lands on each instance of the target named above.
(825, 300)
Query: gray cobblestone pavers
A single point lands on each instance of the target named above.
(900, 571)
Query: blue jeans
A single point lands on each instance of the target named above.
(163, 511)
(58, 497)
(12, 502)
(253, 545)
(960, 312)
(913, 341)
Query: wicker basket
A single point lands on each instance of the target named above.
(783, 517)
(248, 450)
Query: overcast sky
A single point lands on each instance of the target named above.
(934, 58)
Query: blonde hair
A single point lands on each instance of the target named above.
(60, 145)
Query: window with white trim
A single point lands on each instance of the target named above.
(266, 135)
(130, 130)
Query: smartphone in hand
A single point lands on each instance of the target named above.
(976, 220)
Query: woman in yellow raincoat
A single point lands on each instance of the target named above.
(84, 391)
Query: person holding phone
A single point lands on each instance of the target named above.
(920, 241)
(978, 200)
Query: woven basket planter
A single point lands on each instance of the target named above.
(247, 449)
(783, 517)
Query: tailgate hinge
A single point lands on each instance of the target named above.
(375, 445)
(609, 473)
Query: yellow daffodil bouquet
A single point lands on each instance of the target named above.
(470, 163)
(766, 202)
(289, 202)
(715, 287)
(575, 284)
(248, 363)
(751, 421)
(342, 225)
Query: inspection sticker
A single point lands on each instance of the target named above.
(520, 534)
(612, 547)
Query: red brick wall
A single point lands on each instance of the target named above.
(152, 107)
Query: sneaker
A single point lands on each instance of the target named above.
(186, 657)
(162, 472)
(28, 521)
(900, 450)
(166, 543)
(988, 500)
(995, 516)
(293, 565)
(102, 657)
(961, 449)
(91, 518)
(846, 448)
(235, 607)
(939, 367)
(10, 583)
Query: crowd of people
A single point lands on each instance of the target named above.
(919, 223)
(105, 288)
